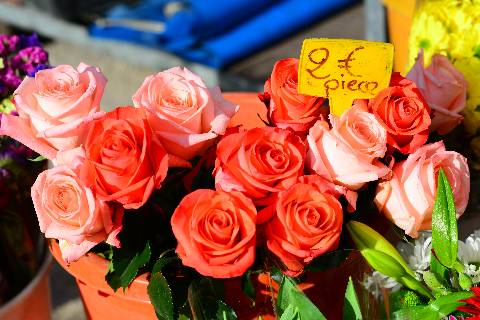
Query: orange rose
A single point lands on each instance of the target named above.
(288, 108)
(259, 162)
(215, 231)
(124, 161)
(404, 113)
(308, 223)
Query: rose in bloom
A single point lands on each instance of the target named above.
(308, 223)
(408, 198)
(185, 115)
(288, 108)
(124, 160)
(68, 209)
(403, 112)
(259, 162)
(215, 231)
(54, 107)
(444, 88)
(348, 153)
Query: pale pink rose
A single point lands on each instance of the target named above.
(407, 199)
(68, 210)
(444, 88)
(183, 112)
(348, 153)
(54, 107)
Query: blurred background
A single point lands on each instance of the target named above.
(233, 44)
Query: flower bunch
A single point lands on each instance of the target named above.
(451, 29)
(237, 200)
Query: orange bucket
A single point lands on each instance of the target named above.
(33, 302)
(400, 16)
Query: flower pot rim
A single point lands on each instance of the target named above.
(91, 270)
(44, 269)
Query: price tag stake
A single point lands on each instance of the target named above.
(343, 70)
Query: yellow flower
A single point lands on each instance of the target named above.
(428, 33)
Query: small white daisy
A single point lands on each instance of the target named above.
(418, 253)
(377, 281)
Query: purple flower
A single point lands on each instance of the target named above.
(9, 79)
(28, 59)
(8, 44)
(41, 66)
(29, 41)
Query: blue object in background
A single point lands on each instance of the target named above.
(213, 32)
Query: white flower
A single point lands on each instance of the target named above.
(474, 272)
(418, 253)
(377, 281)
(469, 251)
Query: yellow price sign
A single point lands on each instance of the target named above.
(343, 70)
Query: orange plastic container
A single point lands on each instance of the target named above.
(33, 302)
(400, 16)
(326, 289)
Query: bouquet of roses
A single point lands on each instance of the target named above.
(168, 186)
(20, 56)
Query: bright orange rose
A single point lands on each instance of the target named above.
(403, 112)
(307, 224)
(124, 161)
(259, 162)
(288, 108)
(215, 231)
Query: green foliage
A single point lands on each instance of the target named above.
(351, 306)
(206, 303)
(247, 285)
(289, 295)
(383, 257)
(161, 296)
(38, 159)
(436, 309)
(125, 264)
(404, 299)
(444, 223)
(291, 313)
(435, 283)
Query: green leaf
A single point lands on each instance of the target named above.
(290, 295)
(432, 281)
(351, 307)
(125, 265)
(162, 262)
(440, 271)
(464, 281)
(291, 313)
(328, 260)
(444, 223)
(38, 159)
(161, 296)
(367, 238)
(437, 309)
(247, 285)
(205, 302)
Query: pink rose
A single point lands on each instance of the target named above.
(183, 112)
(444, 88)
(407, 199)
(125, 162)
(348, 153)
(67, 209)
(54, 107)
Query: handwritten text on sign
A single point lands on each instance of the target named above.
(343, 70)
